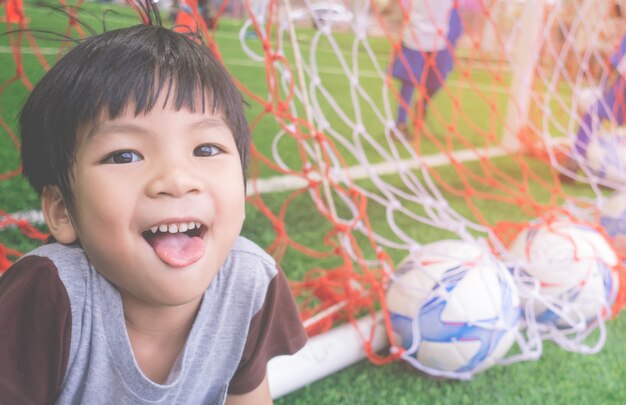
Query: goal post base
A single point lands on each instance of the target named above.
(324, 355)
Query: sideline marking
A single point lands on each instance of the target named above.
(291, 182)
(370, 74)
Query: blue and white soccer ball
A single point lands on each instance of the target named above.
(606, 158)
(613, 220)
(572, 266)
(454, 309)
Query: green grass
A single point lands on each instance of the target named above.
(557, 377)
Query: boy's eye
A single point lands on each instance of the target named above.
(207, 150)
(122, 157)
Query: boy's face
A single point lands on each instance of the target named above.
(175, 172)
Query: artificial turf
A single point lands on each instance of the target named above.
(556, 377)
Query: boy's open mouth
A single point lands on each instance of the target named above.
(178, 245)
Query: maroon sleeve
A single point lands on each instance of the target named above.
(275, 330)
(35, 329)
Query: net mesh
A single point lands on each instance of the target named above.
(485, 150)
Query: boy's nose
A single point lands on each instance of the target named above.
(173, 180)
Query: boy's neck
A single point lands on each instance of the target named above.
(159, 320)
(158, 335)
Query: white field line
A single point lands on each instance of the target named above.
(33, 217)
(289, 182)
(29, 51)
(322, 69)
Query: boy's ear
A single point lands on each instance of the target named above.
(56, 215)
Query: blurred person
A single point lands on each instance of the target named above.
(426, 57)
(611, 106)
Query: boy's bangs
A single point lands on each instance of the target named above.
(185, 78)
(160, 93)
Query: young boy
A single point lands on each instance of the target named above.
(137, 142)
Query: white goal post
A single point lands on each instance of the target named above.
(324, 355)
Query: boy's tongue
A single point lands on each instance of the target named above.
(177, 249)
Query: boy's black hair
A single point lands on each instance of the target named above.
(104, 75)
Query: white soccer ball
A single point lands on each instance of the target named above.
(606, 157)
(586, 97)
(613, 219)
(453, 308)
(573, 266)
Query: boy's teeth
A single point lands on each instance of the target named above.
(175, 228)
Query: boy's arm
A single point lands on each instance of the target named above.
(35, 329)
(260, 395)
(276, 329)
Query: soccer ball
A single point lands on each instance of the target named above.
(453, 308)
(573, 267)
(606, 157)
(586, 97)
(613, 220)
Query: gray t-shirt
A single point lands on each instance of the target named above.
(247, 316)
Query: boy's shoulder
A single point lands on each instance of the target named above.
(59, 253)
(69, 260)
(248, 265)
(245, 247)
(42, 267)
(35, 328)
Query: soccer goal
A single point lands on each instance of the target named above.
(341, 194)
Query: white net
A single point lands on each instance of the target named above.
(457, 165)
